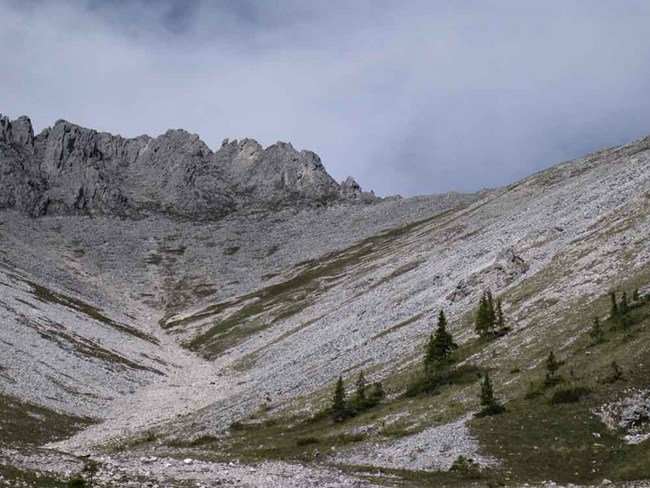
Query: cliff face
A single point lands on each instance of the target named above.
(67, 169)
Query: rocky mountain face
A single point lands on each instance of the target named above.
(67, 169)
(174, 350)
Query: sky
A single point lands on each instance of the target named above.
(409, 97)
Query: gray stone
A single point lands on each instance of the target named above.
(68, 169)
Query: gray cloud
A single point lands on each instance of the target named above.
(409, 97)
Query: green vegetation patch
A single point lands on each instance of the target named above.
(46, 295)
(231, 250)
(23, 423)
(20, 477)
(259, 310)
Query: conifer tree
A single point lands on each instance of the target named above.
(485, 315)
(623, 309)
(441, 344)
(635, 296)
(376, 394)
(614, 306)
(500, 318)
(481, 317)
(360, 398)
(339, 407)
(429, 355)
(552, 366)
(617, 372)
(491, 315)
(596, 333)
(489, 403)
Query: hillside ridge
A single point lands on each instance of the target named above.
(69, 169)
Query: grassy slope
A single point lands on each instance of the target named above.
(25, 426)
(232, 322)
(534, 440)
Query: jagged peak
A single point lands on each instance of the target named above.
(81, 169)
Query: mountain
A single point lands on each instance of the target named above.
(193, 329)
(67, 169)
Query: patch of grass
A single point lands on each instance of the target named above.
(397, 326)
(87, 347)
(569, 395)
(565, 443)
(466, 467)
(231, 250)
(284, 299)
(403, 478)
(177, 251)
(23, 423)
(307, 441)
(13, 476)
(154, 259)
(46, 295)
(259, 310)
(430, 384)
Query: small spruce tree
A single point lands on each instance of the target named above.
(488, 317)
(614, 306)
(500, 318)
(617, 372)
(624, 308)
(339, 408)
(441, 344)
(489, 404)
(596, 333)
(376, 394)
(429, 355)
(491, 314)
(481, 325)
(552, 367)
(360, 397)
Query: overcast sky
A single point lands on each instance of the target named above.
(409, 97)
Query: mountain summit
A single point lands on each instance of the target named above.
(68, 169)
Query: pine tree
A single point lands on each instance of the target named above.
(487, 318)
(489, 403)
(500, 318)
(491, 315)
(441, 343)
(596, 333)
(552, 366)
(339, 407)
(617, 372)
(360, 398)
(481, 317)
(624, 308)
(614, 307)
(376, 394)
(430, 355)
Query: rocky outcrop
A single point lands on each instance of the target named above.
(67, 169)
(351, 190)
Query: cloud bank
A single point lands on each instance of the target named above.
(409, 97)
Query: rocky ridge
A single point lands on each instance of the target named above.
(68, 169)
